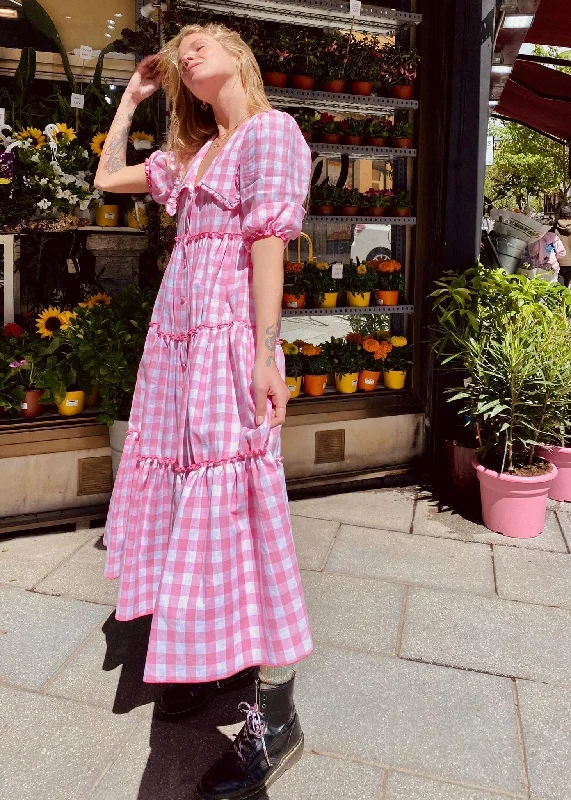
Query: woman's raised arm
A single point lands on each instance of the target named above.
(113, 175)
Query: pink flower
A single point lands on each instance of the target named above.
(17, 364)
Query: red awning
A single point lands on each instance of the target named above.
(552, 24)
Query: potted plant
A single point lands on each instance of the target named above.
(376, 201)
(389, 281)
(323, 287)
(401, 134)
(327, 129)
(334, 57)
(347, 361)
(324, 198)
(362, 66)
(352, 130)
(293, 367)
(306, 119)
(315, 365)
(358, 282)
(376, 131)
(26, 378)
(400, 66)
(306, 60)
(295, 285)
(375, 350)
(401, 204)
(274, 57)
(397, 363)
(349, 200)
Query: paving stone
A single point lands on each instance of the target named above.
(453, 725)
(533, 577)
(25, 560)
(313, 538)
(38, 633)
(387, 509)
(401, 786)
(546, 722)
(320, 778)
(564, 517)
(54, 749)
(353, 612)
(494, 635)
(413, 559)
(82, 576)
(429, 521)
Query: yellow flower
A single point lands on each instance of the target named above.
(51, 320)
(67, 134)
(398, 341)
(97, 143)
(68, 316)
(97, 300)
(142, 137)
(37, 137)
(293, 350)
(361, 269)
(322, 265)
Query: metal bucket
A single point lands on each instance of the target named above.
(510, 252)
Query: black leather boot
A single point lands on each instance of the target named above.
(270, 742)
(183, 700)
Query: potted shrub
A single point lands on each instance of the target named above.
(306, 121)
(333, 55)
(315, 365)
(349, 200)
(397, 362)
(401, 134)
(352, 130)
(327, 129)
(400, 65)
(358, 282)
(295, 285)
(376, 201)
(324, 198)
(375, 351)
(401, 204)
(376, 131)
(293, 367)
(323, 287)
(389, 281)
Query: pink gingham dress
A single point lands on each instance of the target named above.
(199, 531)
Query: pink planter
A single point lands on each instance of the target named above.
(511, 505)
(561, 457)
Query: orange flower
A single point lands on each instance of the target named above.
(354, 338)
(383, 349)
(370, 345)
(293, 267)
(310, 350)
(299, 342)
(389, 266)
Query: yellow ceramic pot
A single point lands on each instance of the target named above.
(329, 300)
(72, 404)
(294, 386)
(107, 216)
(394, 379)
(347, 384)
(137, 216)
(358, 300)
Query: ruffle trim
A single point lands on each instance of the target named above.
(250, 238)
(182, 337)
(174, 466)
(148, 176)
(194, 237)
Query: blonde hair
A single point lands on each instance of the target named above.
(190, 125)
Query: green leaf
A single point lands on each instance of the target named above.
(41, 20)
(99, 66)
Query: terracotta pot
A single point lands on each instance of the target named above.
(361, 87)
(329, 300)
(375, 211)
(394, 379)
(347, 384)
(323, 211)
(294, 385)
(348, 211)
(400, 212)
(358, 300)
(512, 505)
(402, 92)
(92, 398)
(333, 86)
(72, 404)
(277, 79)
(307, 136)
(293, 301)
(314, 385)
(385, 297)
(330, 138)
(407, 143)
(350, 139)
(561, 457)
(302, 82)
(107, 216)
(31, 406)
(368, 380)
(375, 141)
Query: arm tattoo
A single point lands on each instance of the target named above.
(270, 342)
(116, 148)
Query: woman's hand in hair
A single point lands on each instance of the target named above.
(145, 80)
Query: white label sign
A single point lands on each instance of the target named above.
(337, 271)
(72, 403)
(2, 116)
(107, 215)
(490, 151)
(85, 52)
(24, 406)
(77, 100)
(355, 8)
(369, 381)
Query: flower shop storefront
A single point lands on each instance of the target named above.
(354, 317)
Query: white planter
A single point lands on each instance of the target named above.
(117, 436)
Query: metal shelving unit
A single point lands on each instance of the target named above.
(408, 221)
(339, 103)
(315, 13)
(361, 151)
(343, 311)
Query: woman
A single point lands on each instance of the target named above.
(199, 530)
(546, 253)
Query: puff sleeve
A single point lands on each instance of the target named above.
(162, 179)
(275, 171)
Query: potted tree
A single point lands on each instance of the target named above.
(376, 131)
(376, 201)
(401, 204)
(295, 285)
(324, 198)
(315, 365)
(397, 362)
(352, 130)
(358, 282)
(349, 200)
(293, 368)
(323, 287)
(327, 129)
(389, 281)
(401, 135)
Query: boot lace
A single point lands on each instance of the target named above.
(254, 728)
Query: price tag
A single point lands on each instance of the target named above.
(2, 117)
(77, 100)
(72, 403)
(337, 271)
(86, 52)
(355, 8)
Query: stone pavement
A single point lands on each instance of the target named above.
(442, 668)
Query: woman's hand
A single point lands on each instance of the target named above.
(144, 81)
(267, 382)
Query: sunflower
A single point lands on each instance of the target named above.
(361, 269)
(398, 341)
(37, 137)
(322, 265)
(69, 317)
(97, 143)
(52, 320)
(97, 300)
(64, 133)
(141, 141)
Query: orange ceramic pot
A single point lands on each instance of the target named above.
(387, 298)
(293, 301)
(368, 380)
(277, 79)
(402, 92)
(314, 385)
(31, 406)
(302, 82)
(333, 86)
(361, 87)
(375, 211)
